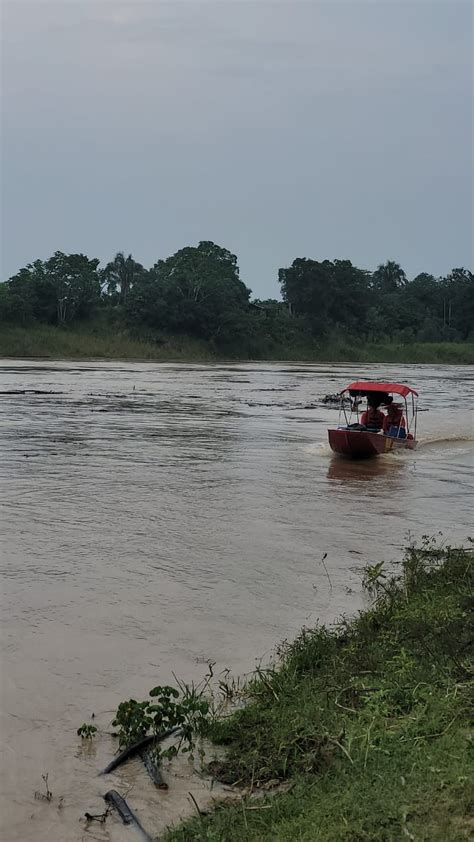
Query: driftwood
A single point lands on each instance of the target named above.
(138, 748)
(336, 400)
(30, 392)
(126, 814)
(153, 770)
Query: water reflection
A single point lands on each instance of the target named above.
(365, 470)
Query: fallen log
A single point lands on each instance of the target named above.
(137, 748)
(153, 770)
(126, 814)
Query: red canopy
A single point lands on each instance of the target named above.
(367, 386)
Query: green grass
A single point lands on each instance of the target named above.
(86, 343)
(456, 353)
(101, 340)
(367, 723)
(461, 353)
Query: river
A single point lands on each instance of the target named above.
(158, 516)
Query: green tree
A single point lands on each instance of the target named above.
(57, 290)
(420, 303)
(76, 285)
(4, 303)
(423, 290)
(120, 274)
(457, 294)
(305, 286)
(18, 301)
(271, 328)
(350, 297)
(196, 291)
(388, 311)
(329, 294)
(388, 277)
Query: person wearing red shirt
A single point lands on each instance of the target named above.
(373, 418)
(394, 419)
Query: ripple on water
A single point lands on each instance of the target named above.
(157, 516)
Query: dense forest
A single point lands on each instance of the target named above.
(198, 292)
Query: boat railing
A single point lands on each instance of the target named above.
(355, 410)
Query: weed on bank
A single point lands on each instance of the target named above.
(365, 727)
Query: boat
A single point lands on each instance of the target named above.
(360, 441)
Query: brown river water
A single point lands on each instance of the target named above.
(154, 517)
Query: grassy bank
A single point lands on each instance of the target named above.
(365, 725)
(456, 353)
(56, 343)
(96, 342)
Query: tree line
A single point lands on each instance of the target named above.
(198, 291)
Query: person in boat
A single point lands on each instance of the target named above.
(394, 423)
(373, 419)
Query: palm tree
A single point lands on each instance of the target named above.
(389, 276)
(120, 274)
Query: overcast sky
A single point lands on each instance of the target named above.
(277, 129)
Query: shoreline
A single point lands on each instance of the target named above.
(220, 361)
(50, 343)
(383, 697)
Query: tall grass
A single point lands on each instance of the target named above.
(460, 353)
(365, 727)
(55, 343)
(101, 341)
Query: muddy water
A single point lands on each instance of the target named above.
(154, 517)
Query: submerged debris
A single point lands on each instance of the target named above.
(126, 814)
(44, 796)
(335, 398)
(138, 748)
(30, 392)
(99, 817)
(149, 761)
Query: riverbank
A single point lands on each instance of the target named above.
(362, 731)
(47, 342)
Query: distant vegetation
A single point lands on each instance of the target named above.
(94, 341)
(195, 299)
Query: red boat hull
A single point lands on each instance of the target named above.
(361, 444)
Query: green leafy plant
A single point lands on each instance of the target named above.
(86, 732)
(373, 576)
(132, 721)
(184, 709)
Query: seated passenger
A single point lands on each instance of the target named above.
(394, 422)
(372, 418)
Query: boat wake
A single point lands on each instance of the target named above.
(431, 441)
(320, 448)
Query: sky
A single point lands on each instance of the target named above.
(299, 128)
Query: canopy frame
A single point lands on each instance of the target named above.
(364, 389)
(361, 387)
